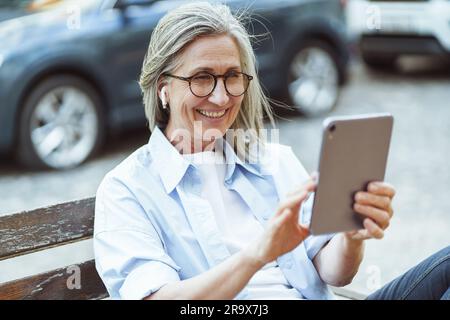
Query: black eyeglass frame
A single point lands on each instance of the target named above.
(224, 76)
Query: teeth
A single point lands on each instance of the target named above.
(212, 114)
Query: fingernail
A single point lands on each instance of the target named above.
(373, 186)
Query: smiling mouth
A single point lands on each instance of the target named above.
(211, 114)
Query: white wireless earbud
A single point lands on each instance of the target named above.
(163, 98)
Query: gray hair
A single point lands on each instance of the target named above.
(175, 31)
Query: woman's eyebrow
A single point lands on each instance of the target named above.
(211, 70)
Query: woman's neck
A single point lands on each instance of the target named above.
(186, 145)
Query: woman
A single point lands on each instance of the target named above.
(199, 213)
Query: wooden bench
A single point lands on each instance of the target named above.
(41, 229)
(54, 226)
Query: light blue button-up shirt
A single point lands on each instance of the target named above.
(152, 226)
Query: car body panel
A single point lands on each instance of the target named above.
(418, 27)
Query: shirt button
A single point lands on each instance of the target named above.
(288, 264)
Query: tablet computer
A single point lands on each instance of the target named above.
(354, 152)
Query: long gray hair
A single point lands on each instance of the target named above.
(177, 29)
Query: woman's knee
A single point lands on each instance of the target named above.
(441, 261)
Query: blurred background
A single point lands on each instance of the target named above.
(70, 105)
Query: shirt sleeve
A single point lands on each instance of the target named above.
(313, 244)
(129, 253)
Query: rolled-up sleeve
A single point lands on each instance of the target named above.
(129, 254)
(313, 244)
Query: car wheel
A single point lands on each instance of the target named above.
(386, 62)
(313, 79)
(61, 124)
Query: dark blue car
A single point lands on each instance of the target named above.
(69, 75)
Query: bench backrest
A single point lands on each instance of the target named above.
(45, 228)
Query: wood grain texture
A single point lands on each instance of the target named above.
(75, 282)
(43, 228)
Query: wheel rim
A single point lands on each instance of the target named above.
(314, 81)
(64, 127)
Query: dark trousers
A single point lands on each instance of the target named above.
(429, 280)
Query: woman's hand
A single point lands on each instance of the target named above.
(283, 232)
(375, 205)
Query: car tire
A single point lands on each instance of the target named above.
(61, 123)
(313, 78)
(378, 61)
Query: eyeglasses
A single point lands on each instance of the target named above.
(202, 84)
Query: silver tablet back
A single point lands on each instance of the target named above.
(354, 152)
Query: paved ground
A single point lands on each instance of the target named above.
(418, 97)
(418, 163)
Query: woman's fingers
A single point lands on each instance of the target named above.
(309, 186)
(303, 230)
(290, 218)
(375, 205)
(378, 201)
(295, 199)
(284, 215)
(284, 232)
(373, 229)
(294, 203)
(381, 217)
(381, 188)
(362, 234)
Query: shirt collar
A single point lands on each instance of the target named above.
(232, 160)
(172, 166)
(169, 163)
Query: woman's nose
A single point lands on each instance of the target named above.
(219, 96)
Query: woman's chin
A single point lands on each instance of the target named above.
(209, 127)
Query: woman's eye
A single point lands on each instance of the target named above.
(233, 75)
(202, 77)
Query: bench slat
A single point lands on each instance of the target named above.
(348, 294)
(42, 228)
(54, 285)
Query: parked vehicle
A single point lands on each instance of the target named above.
(16, 8)
(396, 28)
(69, 75)
(11, 9)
